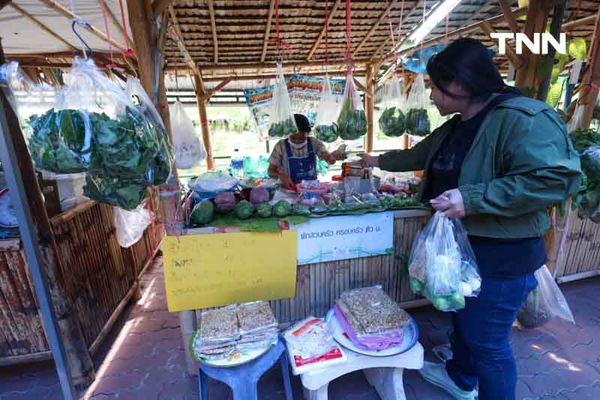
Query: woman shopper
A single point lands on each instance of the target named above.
(498, 164)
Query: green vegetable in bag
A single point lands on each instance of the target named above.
(283, 128)
(327, 133)
(392, 122)
(114, 191)
(352, 123)
(417, 122)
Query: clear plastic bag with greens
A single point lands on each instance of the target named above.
(392, 121)
(352, 121)
(417, 120)
(282, 119)
(544, 302)
(442, 265)
(326, 128)
(189, 151)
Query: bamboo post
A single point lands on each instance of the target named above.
(555, 25)
(589, 92)
(202, 99)
(537, 15)
(73, 362)
(369, 106)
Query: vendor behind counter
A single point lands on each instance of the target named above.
(294, 159)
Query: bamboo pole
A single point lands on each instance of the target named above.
(159, 6)
(590, 91)
(201, 98)
(537, 16)
(369, 107)
(514, 58)
(509, 16)
(317, 42)
(267, 31)
(383, 15)
(213, 27)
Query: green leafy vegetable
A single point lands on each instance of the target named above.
(392, 122)
(283, 128)
(417, 122)
(203, 213)
(352, 123)
(244, 209)
(264, 210)
(282, 209)
(327, 133)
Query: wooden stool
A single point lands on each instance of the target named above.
(383, 373)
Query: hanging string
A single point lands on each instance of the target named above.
(446, 30)
(283, 46)
(400, 34)
(110, 47)
(348, 55)
(129, 51)
(421, 43)
(326, 35)
(392, 36)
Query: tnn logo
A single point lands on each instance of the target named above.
(539, 45)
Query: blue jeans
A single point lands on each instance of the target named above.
(481, 338)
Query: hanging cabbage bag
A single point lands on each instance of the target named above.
(442, 264)
(352, 122)
(326, 128)
(417, 119)
(282, 118)
(392, 121)
(189, 151)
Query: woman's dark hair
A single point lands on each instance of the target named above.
(302, 123)
(467, 63)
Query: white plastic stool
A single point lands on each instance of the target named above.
(383, 373)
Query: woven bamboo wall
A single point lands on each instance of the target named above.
(21, 330)
(581, 249)
(319, 285)
(97, 275)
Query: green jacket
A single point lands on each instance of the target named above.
(521, 162)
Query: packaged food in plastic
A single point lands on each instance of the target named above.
(352, 121)
(416, 118)
(189, 151)
(281, 118)
(326, 128)
(544, 302)
(392, 120)
(442, 265)
(311, 346)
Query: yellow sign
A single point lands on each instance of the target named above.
(212, 270)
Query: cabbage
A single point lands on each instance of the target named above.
(244, 209)
(202, 213)
(259, 195)
(225, 202)
(392, 122)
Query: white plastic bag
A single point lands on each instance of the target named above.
(442, 264)
(352, 121)
(189, 151)
(282, 118)
(326, 128)
(392, 121)
(130, 225)
(544, 302)
(417, 119)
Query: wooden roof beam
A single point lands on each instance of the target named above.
(217, 88)
(404, 17)
(314, 47)
(3, 3)
(263, 56)
(238, 66)
(159, 6)
(578, 22)
(509, 17)
(242, 77)
(213, 25)
(514, 58)
(383, 15)
(181, 44)
(65, 12)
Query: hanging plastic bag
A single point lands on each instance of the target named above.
(442, 264)
(326, 128)
(189, 151)
(544, 302)
(282, 119)
(352, 121)
(392, 121)
(417, 119)
(130, 225)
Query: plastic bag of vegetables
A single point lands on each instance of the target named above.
(326, 128)
(417, 119)
(281, 117)
(442, 265)
(392, 121)
(352, 122)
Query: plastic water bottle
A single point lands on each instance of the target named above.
(237, 164)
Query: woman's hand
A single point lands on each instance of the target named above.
(287, 182)
(450, 203)
(367, 160)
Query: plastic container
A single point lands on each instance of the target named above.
(70, 188)
(237, 164)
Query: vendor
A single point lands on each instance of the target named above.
(295, 159)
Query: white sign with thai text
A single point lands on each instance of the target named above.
(345, 237)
